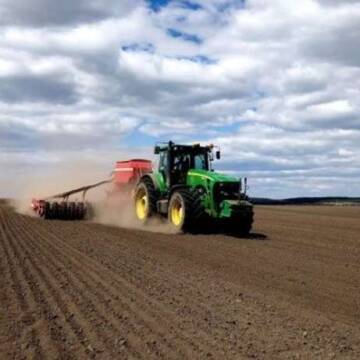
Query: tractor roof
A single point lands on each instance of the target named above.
(180, 147)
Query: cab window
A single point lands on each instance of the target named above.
(163, 161)
(200, 162)
(182, 162)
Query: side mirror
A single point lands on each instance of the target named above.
(157, 150)
(217, 155)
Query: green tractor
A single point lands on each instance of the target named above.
(187, 191)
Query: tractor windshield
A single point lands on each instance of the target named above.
(184, 161)
(200, 161)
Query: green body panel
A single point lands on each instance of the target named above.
(160, 181)
(206, 180)
(195, 175)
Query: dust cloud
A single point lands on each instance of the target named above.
(57, 180)
(110, 207)
(118, 210)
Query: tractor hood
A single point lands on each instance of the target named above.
(195, 176)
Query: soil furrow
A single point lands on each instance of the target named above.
(132, 274)
(75, 305)
(78, 290)
(55, 308)
(150, 312)
(273, 270)
(27, 295)
(120, 291)
(97, 306)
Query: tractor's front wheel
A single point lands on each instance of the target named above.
(145, 200)
(180, 211)
(242, 223)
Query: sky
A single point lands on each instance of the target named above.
(274, 83)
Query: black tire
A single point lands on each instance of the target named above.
(198, 211)
(63, 210)
(72, 211)
(54, 210)
(47, 211)
(241, 224)
(145, 189)
(80, 211)
(76, 211)
(193, 213)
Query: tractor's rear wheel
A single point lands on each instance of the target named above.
(185, 210)
(145, 200)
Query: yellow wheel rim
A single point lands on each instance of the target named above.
(176, 212)
(141, 204)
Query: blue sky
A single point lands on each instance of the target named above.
(157, 5)
(274, 83)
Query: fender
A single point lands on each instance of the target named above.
(151, 177)
(177, 187)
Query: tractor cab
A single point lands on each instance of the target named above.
(176, 160)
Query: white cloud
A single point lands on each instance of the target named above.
(276, 83)
(41, 13)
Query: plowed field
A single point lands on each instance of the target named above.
(78, 290)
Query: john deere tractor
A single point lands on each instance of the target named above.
(187, 191)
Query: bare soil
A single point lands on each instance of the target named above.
(78, 290)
